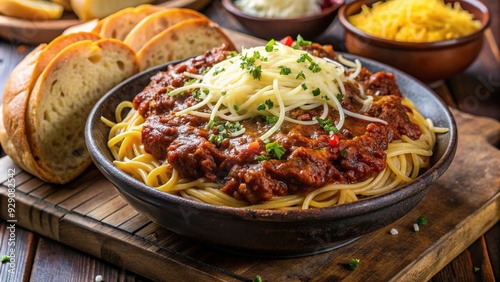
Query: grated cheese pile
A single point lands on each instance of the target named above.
(279, 8)
(415, 20)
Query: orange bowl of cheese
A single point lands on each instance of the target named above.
(430, 40)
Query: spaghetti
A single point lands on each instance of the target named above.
(299, 92)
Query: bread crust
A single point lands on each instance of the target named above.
(194, 36)
(15, 101)
(157, 22)
(119, 24)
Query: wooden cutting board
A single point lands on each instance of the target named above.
(36, 32)
(89, 215)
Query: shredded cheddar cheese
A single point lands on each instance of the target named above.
(415, 20)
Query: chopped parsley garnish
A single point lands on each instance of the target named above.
(219, 71)
(5, 258)
(314, 67)
(196, 93)
(316, 92)
(257, 278)
(256, 72)
(340, 96)
(326, 97)
(421, 220)
(271, 119)
(476, 269)
(262, 158)
(284, 70)
(304, 57)
(304, 86)
(248, 64)
(262, 106)
(269, 104)
(224, 130)
(300, 42)
(353, 263)
(270, 45)
(217, 138)
(327, 125)
(191, 81)
(343, 153)
(236, 107)
(301, 74)
(275, 150)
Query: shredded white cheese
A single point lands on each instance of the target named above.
(416, 227)
(394, 231)
(98, 278)
(279, 8)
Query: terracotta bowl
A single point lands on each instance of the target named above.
(428, 62)
(267, 232)
(269, 28)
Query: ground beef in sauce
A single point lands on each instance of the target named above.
(309, 162)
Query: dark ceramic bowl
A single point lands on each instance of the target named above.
(268, 232)
(270, 28)
(428, 62)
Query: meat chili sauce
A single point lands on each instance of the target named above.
(310, 159)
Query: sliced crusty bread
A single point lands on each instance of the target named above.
(58, 44)
(16, 96)
(185, 39)
(155, 23)
(119, 24)
(62, 98)
(92, 9)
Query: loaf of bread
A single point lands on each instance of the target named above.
(155, 23)
(16, 96)
(98, 9)
(48, 139)
(185, 39)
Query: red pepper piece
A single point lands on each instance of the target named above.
(288, 41)
(334, 140)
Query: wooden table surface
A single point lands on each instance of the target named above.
(475, 91)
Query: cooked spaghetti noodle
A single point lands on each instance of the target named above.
(228, 91)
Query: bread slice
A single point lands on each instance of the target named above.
(62, 98)
(119, 24)
(98, 9)
(31, 10)
(155, 23)
(16, 96)
(183, 40)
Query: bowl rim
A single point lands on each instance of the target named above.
(415, 45)
(135, 187)
(229, 6)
